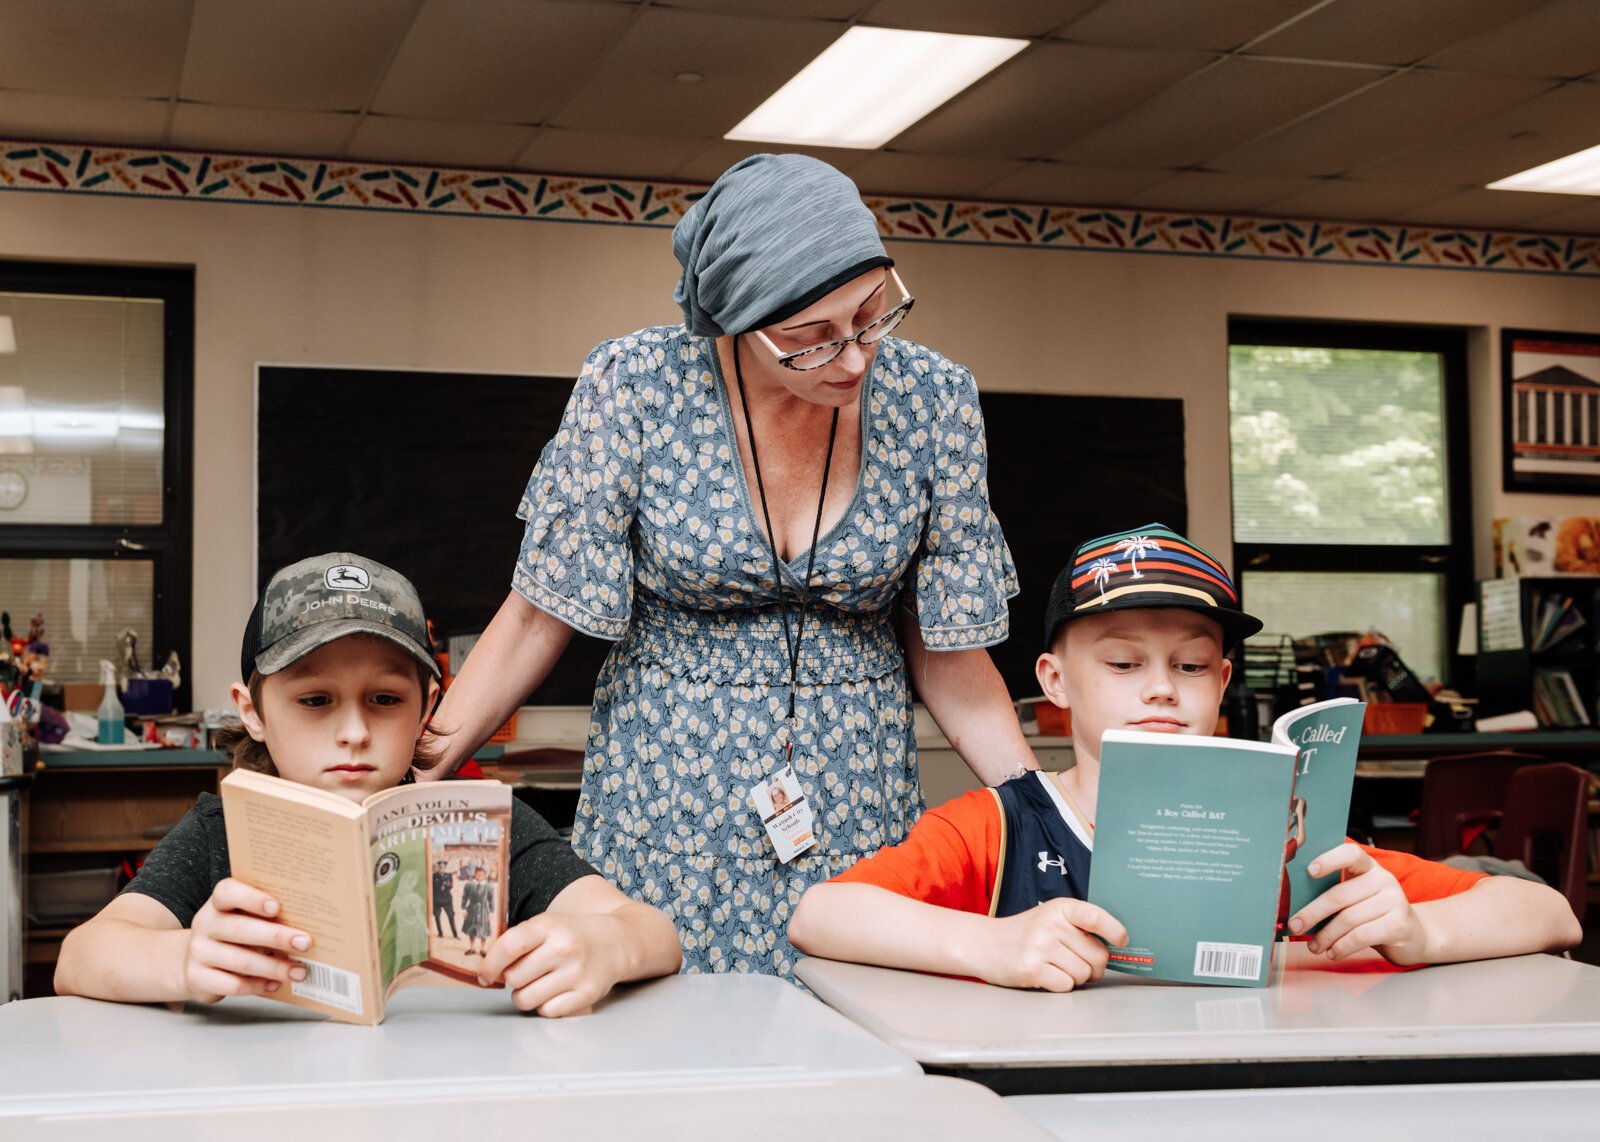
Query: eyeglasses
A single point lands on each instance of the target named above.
(816, 356)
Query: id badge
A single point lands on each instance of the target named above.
(785, 813)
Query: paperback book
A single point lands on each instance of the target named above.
(402, 889)
(1201, 843)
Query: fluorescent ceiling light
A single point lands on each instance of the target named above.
(76, 425)
(870, 85)
(1575, 174)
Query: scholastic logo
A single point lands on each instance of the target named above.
(346, 577)
(1126, 958)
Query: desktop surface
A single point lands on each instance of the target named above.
(1462, 1112)
(81, 1055)
(1317, 1022)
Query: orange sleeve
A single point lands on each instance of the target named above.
(949, 858)
(1422, 879)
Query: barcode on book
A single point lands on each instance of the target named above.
(327, 984)
(1227, 961)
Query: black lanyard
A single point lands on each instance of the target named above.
(791, 641)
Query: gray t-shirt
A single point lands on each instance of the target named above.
(184, 868)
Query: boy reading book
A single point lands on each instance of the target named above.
(992, 884)
(340, 681)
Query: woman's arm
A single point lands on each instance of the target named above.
(511, 659)
(967, 698)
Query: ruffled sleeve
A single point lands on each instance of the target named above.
(964, 574)
(577, 557)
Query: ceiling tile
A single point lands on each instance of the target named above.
(556, 150)
(883, 172)
(1394, 114)
(1526, 135)
(1212, 112)
(712, 159)
(74, 119)
(1488, 209)
(1351, 200)
(498, 61)
(1180, 24)
(1558, 39)
(1388, 31)
(1214, 192)
(252, 131)
(1066, 185)
(385, 139)
(305, 55)
(990, 18)
(1582, 217)
(123, 48)
(742, 59)
(1046, 96)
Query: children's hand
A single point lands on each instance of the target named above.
(1051, 946)
(236, 947)
(1368, 910)
(558, 963)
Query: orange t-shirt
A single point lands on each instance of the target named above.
(952, 855)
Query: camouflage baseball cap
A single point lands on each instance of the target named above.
(315, 601)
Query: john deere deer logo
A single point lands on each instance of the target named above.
(347, 578)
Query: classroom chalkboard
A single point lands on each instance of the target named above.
(423, 471)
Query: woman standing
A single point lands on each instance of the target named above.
(781, 515)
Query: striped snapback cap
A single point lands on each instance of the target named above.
(1149, 566)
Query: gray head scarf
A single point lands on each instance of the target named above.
(773, 235)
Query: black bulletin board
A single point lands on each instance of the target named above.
(423, 471)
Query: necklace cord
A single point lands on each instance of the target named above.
(791, 641)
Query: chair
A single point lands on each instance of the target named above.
(1461, 796)
(1546, 827)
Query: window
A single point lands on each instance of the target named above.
(1351, 500)
(96, 384)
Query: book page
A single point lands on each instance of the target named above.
(310, 855)
(440, 858)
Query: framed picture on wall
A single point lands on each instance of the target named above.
(1550, 411)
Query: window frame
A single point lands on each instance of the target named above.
(169, 545)
(1453, 559)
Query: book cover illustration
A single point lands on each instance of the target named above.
(439, 889)
(1189, 851)
(1327, 736)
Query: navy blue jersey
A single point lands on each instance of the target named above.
(1044, 856)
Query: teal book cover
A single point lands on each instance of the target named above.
(1328, 737)
(1189, 846)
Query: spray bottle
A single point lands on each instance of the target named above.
(110, 714)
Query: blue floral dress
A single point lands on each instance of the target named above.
(641, 529)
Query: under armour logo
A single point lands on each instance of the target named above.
(1046, 864)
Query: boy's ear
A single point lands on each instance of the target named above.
(430, 703)
(1052, 683)
(248, 714)
(1227, 672)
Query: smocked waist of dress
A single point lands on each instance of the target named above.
(747, 647)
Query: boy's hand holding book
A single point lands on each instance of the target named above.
(1057, 945)
(238, 947)
(1368, 909)
(558, 963)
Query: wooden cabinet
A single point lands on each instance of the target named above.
(86, 815)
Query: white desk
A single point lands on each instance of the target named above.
(1477, 1112)
(83, 1055)
(1318, 1023)
(927, 1109)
